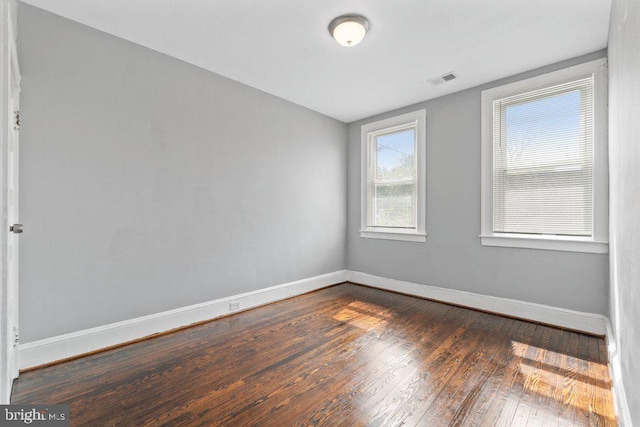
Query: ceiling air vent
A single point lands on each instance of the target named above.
(443, 79)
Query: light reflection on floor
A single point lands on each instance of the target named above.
(363, 315)
(383, 362)
(563, 377)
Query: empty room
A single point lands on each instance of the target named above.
(338, 213)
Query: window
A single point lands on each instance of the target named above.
(544, 165)
(394, 178)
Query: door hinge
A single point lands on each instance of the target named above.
(16, 336)
(16, 125)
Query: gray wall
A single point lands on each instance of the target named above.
(624, 145)
(453, 257)
(149, 184)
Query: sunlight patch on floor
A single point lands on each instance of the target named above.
(566, 379)
(363, 315)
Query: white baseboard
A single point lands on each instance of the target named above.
(76, 343)
(615, 371)
(564, 318)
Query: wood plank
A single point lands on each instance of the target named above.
(365, 389)
(533, 370)
(549, 398)
(571, 385)
(476, 401)
(508, 391)
(600, 385)
(435, 364)
(489, 395)
(345, 355)
(476, 366)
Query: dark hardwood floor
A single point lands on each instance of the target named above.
(342, 356)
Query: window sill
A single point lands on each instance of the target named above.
(390, 234)
(553, 243)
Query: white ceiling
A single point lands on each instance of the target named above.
(283, 47)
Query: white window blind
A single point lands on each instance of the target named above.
(543, 144)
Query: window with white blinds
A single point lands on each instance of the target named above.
(544, 161)
(393, 178)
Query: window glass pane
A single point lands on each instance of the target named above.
(394, 205)
(394, 180)
(395, 153)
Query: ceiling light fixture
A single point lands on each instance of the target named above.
(349, 30)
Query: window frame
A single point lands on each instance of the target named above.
(598, 242)
(367, 132)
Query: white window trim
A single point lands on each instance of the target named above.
(413, 235)
(598, 243)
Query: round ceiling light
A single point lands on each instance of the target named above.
(349, 30)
